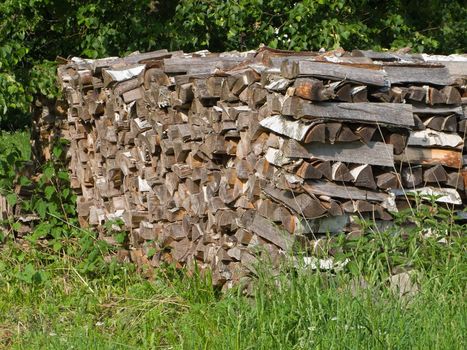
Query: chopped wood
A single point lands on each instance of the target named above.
(294, 129)
(310, 89)
(430, 138)
(333, 71)
(431, 156)
(375, 153)
(384, 113)
(387, 180)
(363, 176)
(269, 231)
(341, 191)
(212, 158)
(435, 174)
(411, 176)
(418, 74)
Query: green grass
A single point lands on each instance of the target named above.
(299, 309)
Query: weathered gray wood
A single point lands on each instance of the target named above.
(308, 171)
(436, 97)
(363, 176)
(397, 74)
(340, 172)
(316, 134)
(398, 141)
(347, 135)
(294, 129)
(437, 110)
(430, 138)
(359, 94)
(434, 123)
(384, 113)
(450, 123)
(416, 93)
(457, 69)
(435, 174)
(335, 71)
(322, 188)
(301, 204)
(365, 133)
(382, 56)
(199, 65)
(150, 56)
(268, 230)
(119, 75)
(412, 176)
(375, 153)
(387, 180)
(456, 180)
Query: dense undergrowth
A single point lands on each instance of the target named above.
(61, 289)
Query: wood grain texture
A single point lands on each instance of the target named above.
(366, 112)
(375, 153)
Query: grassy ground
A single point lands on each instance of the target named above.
(50, 305)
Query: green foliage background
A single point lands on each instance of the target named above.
(34, 32)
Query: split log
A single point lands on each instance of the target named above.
(375, 153)
(384, 113)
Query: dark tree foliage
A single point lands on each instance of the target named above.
(34, 32)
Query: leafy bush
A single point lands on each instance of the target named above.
(51, 199)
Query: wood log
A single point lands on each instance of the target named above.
(430, 138)
(310, 89)
(340, 172)
(385, 113)
(431, 156)
(267, 230)
(418, 74)
(373, 76)
(363, 176)
(411, 176)
(375, 153)
(301, 204)
(294, 129)
(436, 174)
(308, 171)
(321, 188)
(387, 180)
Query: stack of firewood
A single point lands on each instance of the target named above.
(215, 158)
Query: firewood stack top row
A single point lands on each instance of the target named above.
(224, 159)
